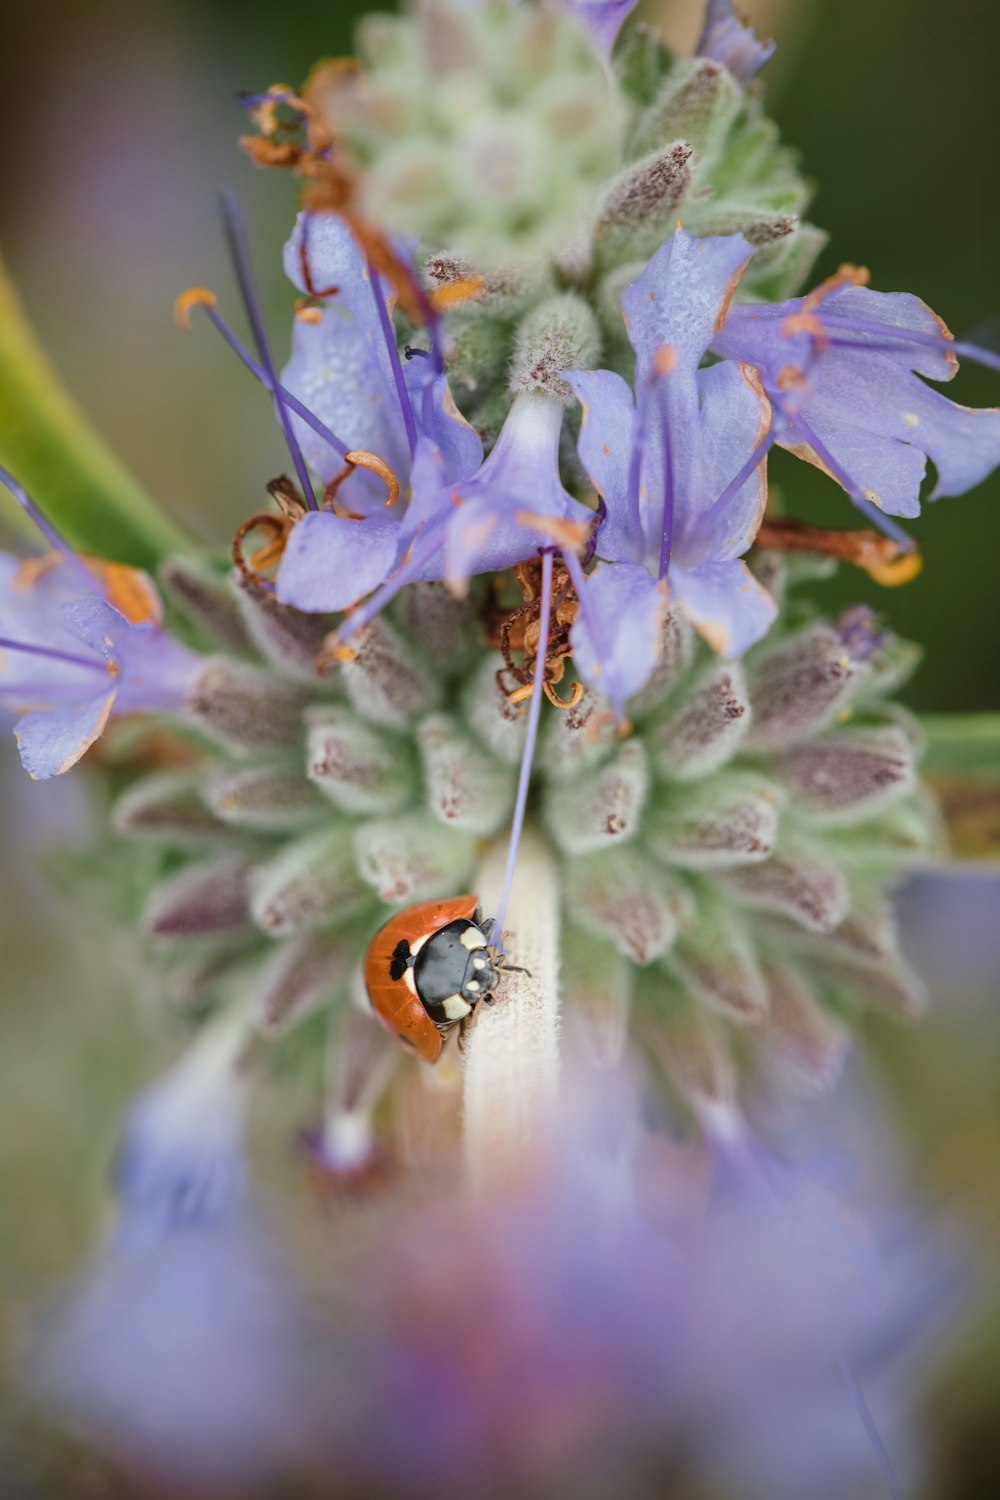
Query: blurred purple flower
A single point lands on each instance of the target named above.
(69, 658)
(635, 1314)
(189, 1362)
(627, 1315)
(680, 470)
(730, 41)
(186, 1355)
(842, 366)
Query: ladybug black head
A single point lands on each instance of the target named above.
(401, 960)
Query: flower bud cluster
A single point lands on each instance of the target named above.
(528, 169)
(725, 857)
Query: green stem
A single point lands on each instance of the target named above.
(50, 447)
(962, 764)
(962, 744)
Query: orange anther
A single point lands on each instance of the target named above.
(375, 465)
(195, 296)
(903, 570)
(308, 312)
(563, 703)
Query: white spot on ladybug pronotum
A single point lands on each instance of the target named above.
(455, 1008)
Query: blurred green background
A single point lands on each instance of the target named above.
(119, 122)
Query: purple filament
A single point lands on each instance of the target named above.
(26, 503)
(52, 654)
(576, 573)
(601, 515)
(292, 401)
(388, 590)
(667, 534)
(528, 753)
(871, 1430)
(882, 522)
(980, 356)
(235, 232)
(635, 463)
(389, 335)
(735, 485)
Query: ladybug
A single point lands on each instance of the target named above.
(428, 968)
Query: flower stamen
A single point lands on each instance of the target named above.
(232, 220)
(528, 753)
(200, 297)
(360, 458)
(882, 558)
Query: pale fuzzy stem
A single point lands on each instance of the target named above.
(512, 1052)
(219, 1049)
(362, 1059)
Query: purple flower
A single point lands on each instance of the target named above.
(842, 366)
(180, 1162)
(79, 642)
(643, 1307)
(680, 471)
(511, 507)
(730, 41)
(186, 1352)
(346, 370)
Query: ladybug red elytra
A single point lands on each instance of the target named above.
(428, 968)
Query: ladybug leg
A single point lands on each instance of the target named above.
(468, 1024)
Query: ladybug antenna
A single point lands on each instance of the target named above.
(236, 240)
(530, 741)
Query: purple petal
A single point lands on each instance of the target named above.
(336, 263)
(734, 418)
(330, 562)
(520, 479)
(602, 18)
(899, 313)
(52, 742)
(607, 433)
(879, 421)
(859, 396)
(340, 370)
(482, 538)
(727, 40)
(726, 604)
(99, 625)
(154, 670)
(616, 638)
(440, 420)
(682, 296)
(761, 335)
